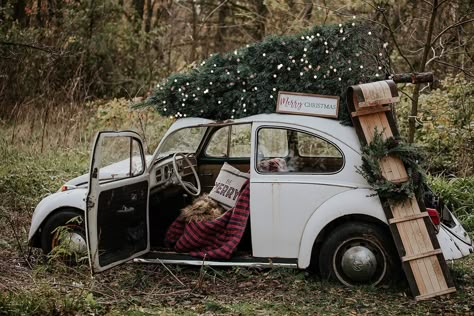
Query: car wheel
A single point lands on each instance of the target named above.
(359, 254)
(63, 236)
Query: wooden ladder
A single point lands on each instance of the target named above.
(412, 229)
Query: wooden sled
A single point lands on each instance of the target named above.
(412, 229)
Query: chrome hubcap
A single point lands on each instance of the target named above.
(74, 242)
(359, 263)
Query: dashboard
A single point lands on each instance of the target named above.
(164, 169)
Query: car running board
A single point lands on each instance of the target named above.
(166, 257)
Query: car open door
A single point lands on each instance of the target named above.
(117, 202)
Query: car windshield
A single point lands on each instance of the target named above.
(184, 140)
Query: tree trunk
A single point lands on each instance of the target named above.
(219, 43)
(308, 10)
(416, 91)
(18, 11)
(195, 39)
(260, 17)
(147, 12)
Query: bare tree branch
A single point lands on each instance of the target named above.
(394, 39)
(44, 49)
(450, 27)
(456, 67)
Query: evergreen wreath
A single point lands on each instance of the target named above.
(411, 157)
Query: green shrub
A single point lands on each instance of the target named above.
(458, 194)
(446, 126)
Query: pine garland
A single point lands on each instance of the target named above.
(324, 60)
(411, 157)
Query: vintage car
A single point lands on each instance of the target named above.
(316, 212)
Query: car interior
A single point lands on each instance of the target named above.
(279, 150)
(218, 146)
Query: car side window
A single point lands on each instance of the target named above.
(218, 145)
(230, 141)
(291, 151)
(240, 141)
(121, 158)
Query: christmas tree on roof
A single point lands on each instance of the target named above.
(324, 60)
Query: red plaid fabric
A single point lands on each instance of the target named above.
(216, 239)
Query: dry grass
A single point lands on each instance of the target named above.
(41, 149)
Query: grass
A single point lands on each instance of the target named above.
(63, 290)
(37, 160)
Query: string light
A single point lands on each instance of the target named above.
(329, 42)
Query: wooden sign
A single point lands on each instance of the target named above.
(307, 104)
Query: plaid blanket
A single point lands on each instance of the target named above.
(214, 239)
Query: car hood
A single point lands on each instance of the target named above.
(108, 172)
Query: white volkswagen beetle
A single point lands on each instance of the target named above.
(316, 211)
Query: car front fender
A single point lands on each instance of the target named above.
(353, 202)
(68, 199)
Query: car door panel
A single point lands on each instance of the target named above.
(122, 221)
(117, 220)
(282, 201)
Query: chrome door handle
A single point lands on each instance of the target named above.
(125, 210)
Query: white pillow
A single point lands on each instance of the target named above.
(228, 184)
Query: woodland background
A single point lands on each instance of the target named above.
(69, 68)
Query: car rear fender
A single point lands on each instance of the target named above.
(352, 202)
(68, 199)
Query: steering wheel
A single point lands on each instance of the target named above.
(187, 186)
